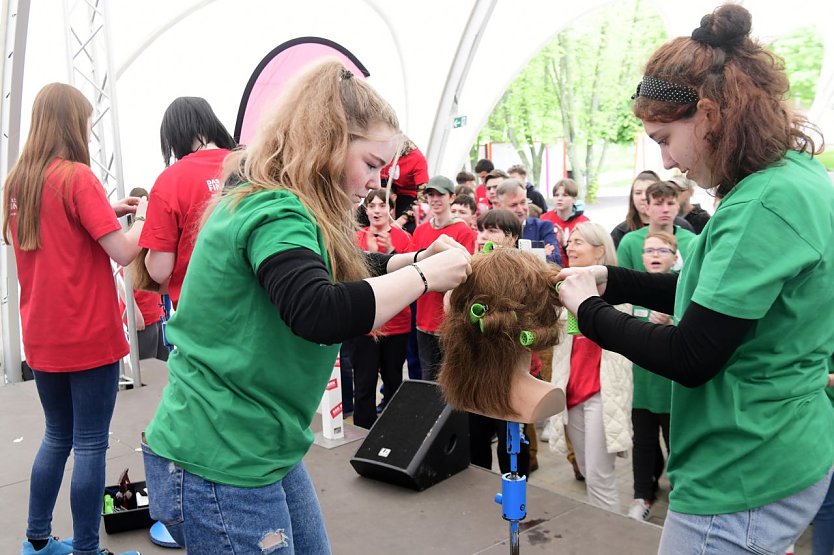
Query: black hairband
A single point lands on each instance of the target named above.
(658, 89)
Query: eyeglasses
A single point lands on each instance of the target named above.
(661, 250)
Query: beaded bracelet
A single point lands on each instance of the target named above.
(423, 277)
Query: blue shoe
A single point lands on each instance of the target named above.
(162, 537)
(53, 547)
(108, 552)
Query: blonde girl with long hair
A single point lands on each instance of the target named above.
(274, 285)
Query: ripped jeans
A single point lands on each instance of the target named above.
(210, 518)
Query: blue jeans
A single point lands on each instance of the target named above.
(766, 530)
(823, 534)
(210, 518)
(78, 407)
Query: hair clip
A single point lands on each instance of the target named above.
(489, 246)
(345, 74)
(476, 315)
(526, 338)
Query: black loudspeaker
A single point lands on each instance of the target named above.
(417, 441)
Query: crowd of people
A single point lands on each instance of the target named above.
(709, 334)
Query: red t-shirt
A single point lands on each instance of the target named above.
(430, 305)
(401, 323)
(178, 198)
(411, 170)
(566, 228)
(69, 309)
(585, 358)
(481, 199)
(535, 365)
(150, 305)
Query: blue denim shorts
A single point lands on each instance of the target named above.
(766, 530)
(210, 518)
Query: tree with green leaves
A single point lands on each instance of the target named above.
(577, 88)
(803, 51)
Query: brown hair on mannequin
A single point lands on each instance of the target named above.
(478, 367)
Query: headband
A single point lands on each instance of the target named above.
(658, 89)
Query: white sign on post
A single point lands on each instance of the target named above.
(332, 419)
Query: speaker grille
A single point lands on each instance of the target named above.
(412, 416)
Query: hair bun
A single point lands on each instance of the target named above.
(726, 27)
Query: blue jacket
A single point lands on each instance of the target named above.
(542, 230)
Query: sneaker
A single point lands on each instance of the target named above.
(640, 510)
(108, 552)
(53, 547)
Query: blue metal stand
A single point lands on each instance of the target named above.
(513, 496)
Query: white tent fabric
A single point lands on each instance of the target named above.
(433, 60)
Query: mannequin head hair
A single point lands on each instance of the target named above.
(479, 361)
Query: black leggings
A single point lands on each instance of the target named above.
(371, 358)
(647, 458)
(430, 353)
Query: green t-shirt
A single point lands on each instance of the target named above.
(630, 251)
(651, 392)
(243, 389)
(763, 428)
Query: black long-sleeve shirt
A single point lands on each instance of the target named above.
(691, 353)
(315, 309)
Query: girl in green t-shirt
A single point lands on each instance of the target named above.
(275, 283)
(752, 430)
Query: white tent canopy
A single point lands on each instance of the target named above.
(432, 60)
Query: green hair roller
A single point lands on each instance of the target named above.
(476, 315)
(526, 338)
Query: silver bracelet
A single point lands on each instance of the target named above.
(423, 277)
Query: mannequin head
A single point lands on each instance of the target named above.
(481, 360)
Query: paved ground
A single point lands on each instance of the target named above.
(555, 474)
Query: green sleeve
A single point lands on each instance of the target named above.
(685, 240)
(276, 225)
(752, 253)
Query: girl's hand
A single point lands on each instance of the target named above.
(125, 206)
(446, 270)
(441, 244)
(578, 284)
(600, 274)
(383, 242)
